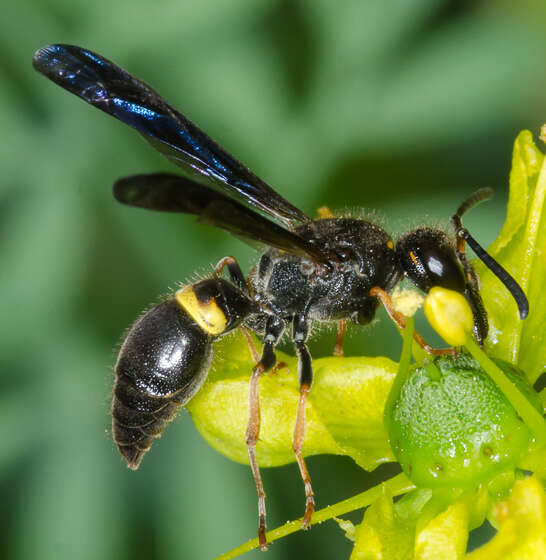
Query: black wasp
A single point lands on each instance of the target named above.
(332, 269)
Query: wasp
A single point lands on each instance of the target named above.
(330, 269)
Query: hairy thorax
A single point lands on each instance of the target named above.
(363, 256)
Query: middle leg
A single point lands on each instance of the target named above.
(341, 330)
(305, 378)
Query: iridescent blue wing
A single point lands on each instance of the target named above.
(173, 193)
(111, 89)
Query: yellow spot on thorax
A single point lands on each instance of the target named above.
(324, 212)
(206, 314)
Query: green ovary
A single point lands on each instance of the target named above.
(452, 426)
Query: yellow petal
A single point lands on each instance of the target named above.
(445, 536)
(522, 529)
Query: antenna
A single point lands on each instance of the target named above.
(511, 285)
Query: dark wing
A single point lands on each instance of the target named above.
(173, 193)
(112, 90)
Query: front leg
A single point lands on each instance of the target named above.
(399, 319)
(341, 330)
(305, 378)
(273, 331)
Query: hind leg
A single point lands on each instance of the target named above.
(273, 332)
(305, 378)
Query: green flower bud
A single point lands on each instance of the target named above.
(452, 426)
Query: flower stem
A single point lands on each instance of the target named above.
(530, 415)
(396, 485)
(403, 368)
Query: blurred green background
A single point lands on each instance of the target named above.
(397, 107)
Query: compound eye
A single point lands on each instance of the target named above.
(429, 259)
(437, 266)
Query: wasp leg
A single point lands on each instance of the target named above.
(251, 346)
(399, 320)
(274, 329)
(481, 323)
(472, 282)
(278, 366)
(256, 356)
(235, 272)
(305, 377)
(341, 330)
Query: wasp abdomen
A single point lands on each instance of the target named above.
(162, 364)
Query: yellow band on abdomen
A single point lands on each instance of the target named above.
(206, 314)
